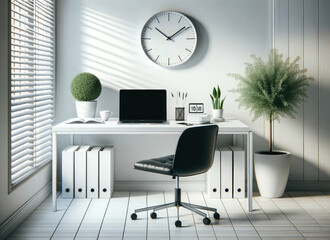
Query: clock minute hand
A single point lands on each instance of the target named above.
(162, 33)
(170, 38)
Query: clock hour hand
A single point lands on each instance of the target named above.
(170, 38)
(162, 33)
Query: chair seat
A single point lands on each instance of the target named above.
(162, 165)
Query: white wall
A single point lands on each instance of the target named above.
(103, 37)
(10, 202)
(302, 28)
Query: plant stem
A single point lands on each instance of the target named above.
(270, 133)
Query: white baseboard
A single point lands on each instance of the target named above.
(12, 222)
(159, 186)
(303, 186)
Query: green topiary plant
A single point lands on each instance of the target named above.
(215, 98)
(86, 87)
(272, 89)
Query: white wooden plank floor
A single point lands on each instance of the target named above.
(297, 215)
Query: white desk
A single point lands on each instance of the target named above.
(112, 127)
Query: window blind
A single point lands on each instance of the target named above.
(32, 86)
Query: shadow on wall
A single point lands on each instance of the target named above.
(201, 48)
(109, 49)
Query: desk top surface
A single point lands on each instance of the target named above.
(112, 127)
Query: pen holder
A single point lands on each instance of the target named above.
(179, 113)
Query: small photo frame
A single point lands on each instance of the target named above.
(196, 107)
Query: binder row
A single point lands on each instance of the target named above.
(87, 172)
(226, 177)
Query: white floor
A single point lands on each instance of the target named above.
(298, 215)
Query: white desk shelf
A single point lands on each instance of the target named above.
(113, 127)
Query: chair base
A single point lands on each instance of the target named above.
(177, 203)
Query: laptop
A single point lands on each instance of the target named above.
(142, 106)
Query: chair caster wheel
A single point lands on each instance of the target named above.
(133, 216)
(216, 215)
(178, 223)
(206, 221)
(153, 215)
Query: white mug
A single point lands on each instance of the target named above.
(105, 114)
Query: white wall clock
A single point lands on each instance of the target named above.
(169, 38)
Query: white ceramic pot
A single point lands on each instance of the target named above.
(217, 113)
(272, 172)
(86, 109)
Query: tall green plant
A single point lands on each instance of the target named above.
(216, 97)
(272, 89)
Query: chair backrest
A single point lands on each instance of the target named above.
(195, 150)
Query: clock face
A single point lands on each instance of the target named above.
(169, 38)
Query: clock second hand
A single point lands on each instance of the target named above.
(162, 33)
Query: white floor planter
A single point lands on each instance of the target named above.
(86, 109)
(272, 171)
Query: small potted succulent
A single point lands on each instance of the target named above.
(272, 89)
(85, 88)
(217, 104)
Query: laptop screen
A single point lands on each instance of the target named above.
(142, 105)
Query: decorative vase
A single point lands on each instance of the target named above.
(272, 172)
(86, 109)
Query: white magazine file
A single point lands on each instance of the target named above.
(106, 170)
(80, 171)
(68, 171)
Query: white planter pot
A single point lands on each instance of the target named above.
(86, 109)
(217, 113)
(272, 172)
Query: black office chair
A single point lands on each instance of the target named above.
(194, 155)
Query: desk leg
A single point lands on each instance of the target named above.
(249, 146)
(54, 172)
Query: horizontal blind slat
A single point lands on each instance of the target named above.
(19, 4)
(34, 19)
(38, 99)
(16, 28)
(43, 158)
(21, 148)
(26, 135)
(31, 63)
(21, 124)
(23, 165)
(31, 89)
(17, 159)
(31, 25)
(40, 106)
(31, 37)
(44, 9)
(29, 95)
(14, 145)
(50, 83)
(32, 53)
(21, 131)
(26, 42)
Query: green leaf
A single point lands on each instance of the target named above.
(272, 88)
(219, 92)
(213, 103)
(214, 93)
(221, 104)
